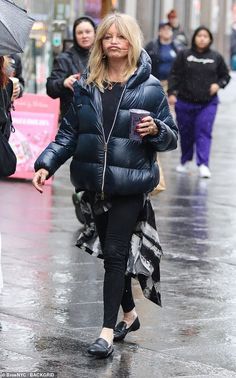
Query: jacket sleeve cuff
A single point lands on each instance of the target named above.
(222, 83)
(161, 135)
(162, 132)
(165, 140)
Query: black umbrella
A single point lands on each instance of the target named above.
(15, 26)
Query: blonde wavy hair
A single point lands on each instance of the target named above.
(128, 27)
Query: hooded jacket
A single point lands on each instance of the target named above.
(67, 63)
(117, 165)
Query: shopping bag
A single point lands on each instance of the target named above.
(162, 184)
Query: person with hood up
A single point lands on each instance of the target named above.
(67, 68)
(116, 169)
(196, 77)
(69, 65)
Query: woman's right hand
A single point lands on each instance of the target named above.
(172, 100)
(69, 81)
(39, 179)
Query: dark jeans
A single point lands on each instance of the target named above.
(115, 228)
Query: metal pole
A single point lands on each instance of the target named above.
(206, 12)
(34, 65)
(222, 26)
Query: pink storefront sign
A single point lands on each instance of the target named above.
(35, 120)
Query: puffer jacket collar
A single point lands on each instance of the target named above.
(143, 71)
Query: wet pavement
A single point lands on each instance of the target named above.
(51, 304)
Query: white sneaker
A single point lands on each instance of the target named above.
(182, 168)
(204, 171)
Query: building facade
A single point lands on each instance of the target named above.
(54, 20)
(215, 14)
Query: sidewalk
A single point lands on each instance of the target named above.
(51, 304)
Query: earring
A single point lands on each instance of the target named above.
(104, 56)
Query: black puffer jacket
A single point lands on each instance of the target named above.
(118, 165)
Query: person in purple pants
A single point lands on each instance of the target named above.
(195, 79)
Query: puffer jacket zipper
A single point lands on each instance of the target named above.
(106, 142)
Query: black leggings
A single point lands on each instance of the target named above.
(115, 228)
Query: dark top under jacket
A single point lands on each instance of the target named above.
(119, 165)
(110, 100)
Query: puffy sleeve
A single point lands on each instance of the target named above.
(167, 136)
(60, 71)
(57, 152)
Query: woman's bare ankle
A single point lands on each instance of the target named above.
(107, 334)
(129, 317)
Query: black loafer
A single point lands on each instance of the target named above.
(100, 348)
(121, 329)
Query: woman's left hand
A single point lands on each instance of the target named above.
(147, 126)
(214, 89)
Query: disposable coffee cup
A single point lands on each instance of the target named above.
(15, 81)
(16, 88)
(136, 115)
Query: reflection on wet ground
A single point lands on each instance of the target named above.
(51, 305)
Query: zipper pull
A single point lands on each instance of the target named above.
(105, 147)
(102, 196)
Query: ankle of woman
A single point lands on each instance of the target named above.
(131, 315)
(107, 334)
